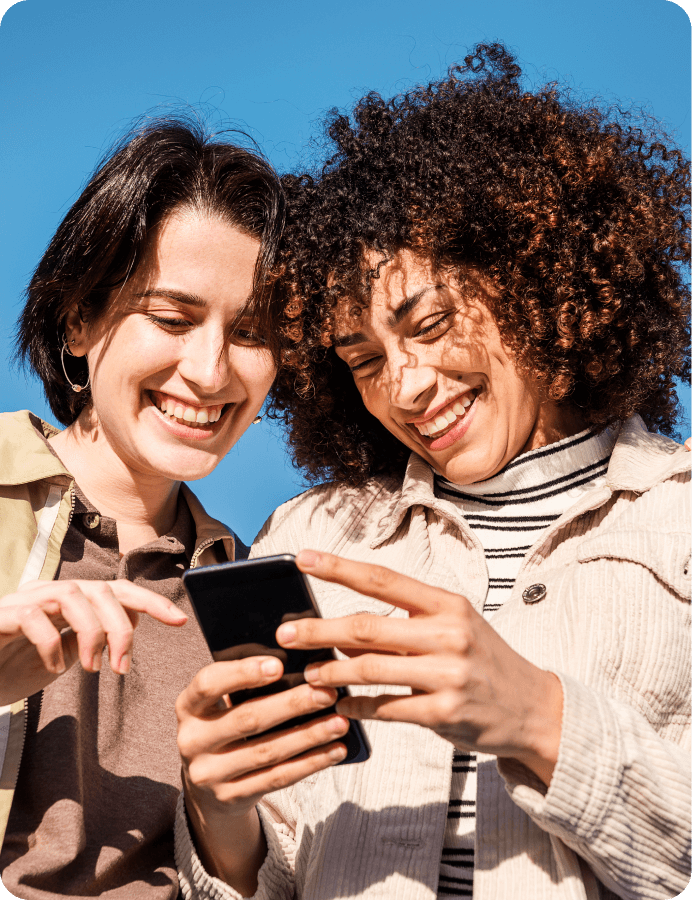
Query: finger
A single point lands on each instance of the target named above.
(40, 631)
(421, 673)
(70, 602)
(142, 600)
(688, 443)
(431, 711)
(387, 635)
(252, 787)
(254, 717)
(116, 622)
(266, 751)
(378, 582)
(131, 596)
(201, 697)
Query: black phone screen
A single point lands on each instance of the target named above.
(240, 605)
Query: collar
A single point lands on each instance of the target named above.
(24, 458)
(640, 460)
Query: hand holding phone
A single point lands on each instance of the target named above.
(239, 607)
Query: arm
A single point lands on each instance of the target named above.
(619, 797)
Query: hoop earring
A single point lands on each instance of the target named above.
(257, 420)
(77, 388)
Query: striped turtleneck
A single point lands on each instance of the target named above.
(509, 513)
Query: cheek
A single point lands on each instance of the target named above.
(258, 372)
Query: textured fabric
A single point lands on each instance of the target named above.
(116, 735)
(508, 513)
(613, 624)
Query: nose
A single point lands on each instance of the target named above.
(205, 360)
(410, 382)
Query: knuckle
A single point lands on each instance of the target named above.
(205, 684)
(278, 780)
(379, 577)
(372, 668)
(365, 628)
(445, 708)
(266, 755)
(456, 637)
(457, 673)
(245, 720)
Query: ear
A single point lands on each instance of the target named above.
(76, 332)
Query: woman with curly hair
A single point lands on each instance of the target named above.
(486, 312)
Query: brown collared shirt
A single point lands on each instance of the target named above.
(100, 775)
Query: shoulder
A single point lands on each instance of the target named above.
(24, 455)
(327, 516)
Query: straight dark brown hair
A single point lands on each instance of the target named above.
(162, 165)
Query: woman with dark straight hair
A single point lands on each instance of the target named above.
(487, 309)
(149, 322)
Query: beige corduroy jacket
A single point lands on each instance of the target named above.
(613, 625)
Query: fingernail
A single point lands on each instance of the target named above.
(337, 753)
(96, 661)
(308, 558)
(312, 673)
(125, 663)
(269, 667)
(286, 634)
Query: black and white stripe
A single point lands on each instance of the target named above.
(509, 513)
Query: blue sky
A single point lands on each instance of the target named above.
(74, 73)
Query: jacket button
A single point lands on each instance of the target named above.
(534, 593)
(91, 520)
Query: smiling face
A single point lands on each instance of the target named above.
(431, 366)
(175, 377)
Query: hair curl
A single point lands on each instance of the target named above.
(579, 215)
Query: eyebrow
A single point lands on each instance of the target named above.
(180, 296)
(400, 313)
(408, 304)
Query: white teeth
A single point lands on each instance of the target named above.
(444, 420)
(189, 415)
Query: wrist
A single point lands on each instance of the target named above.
(230, 847)
(545, 730)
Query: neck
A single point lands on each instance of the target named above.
(144, 505)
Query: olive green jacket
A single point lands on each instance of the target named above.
(36, 503)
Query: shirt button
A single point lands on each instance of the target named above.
(91, 520)
(534, 593)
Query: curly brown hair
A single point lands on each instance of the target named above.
(578, 214)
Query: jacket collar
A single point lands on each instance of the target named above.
(640, 460)
(24, 458)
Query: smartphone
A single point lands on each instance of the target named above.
(239, 605)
